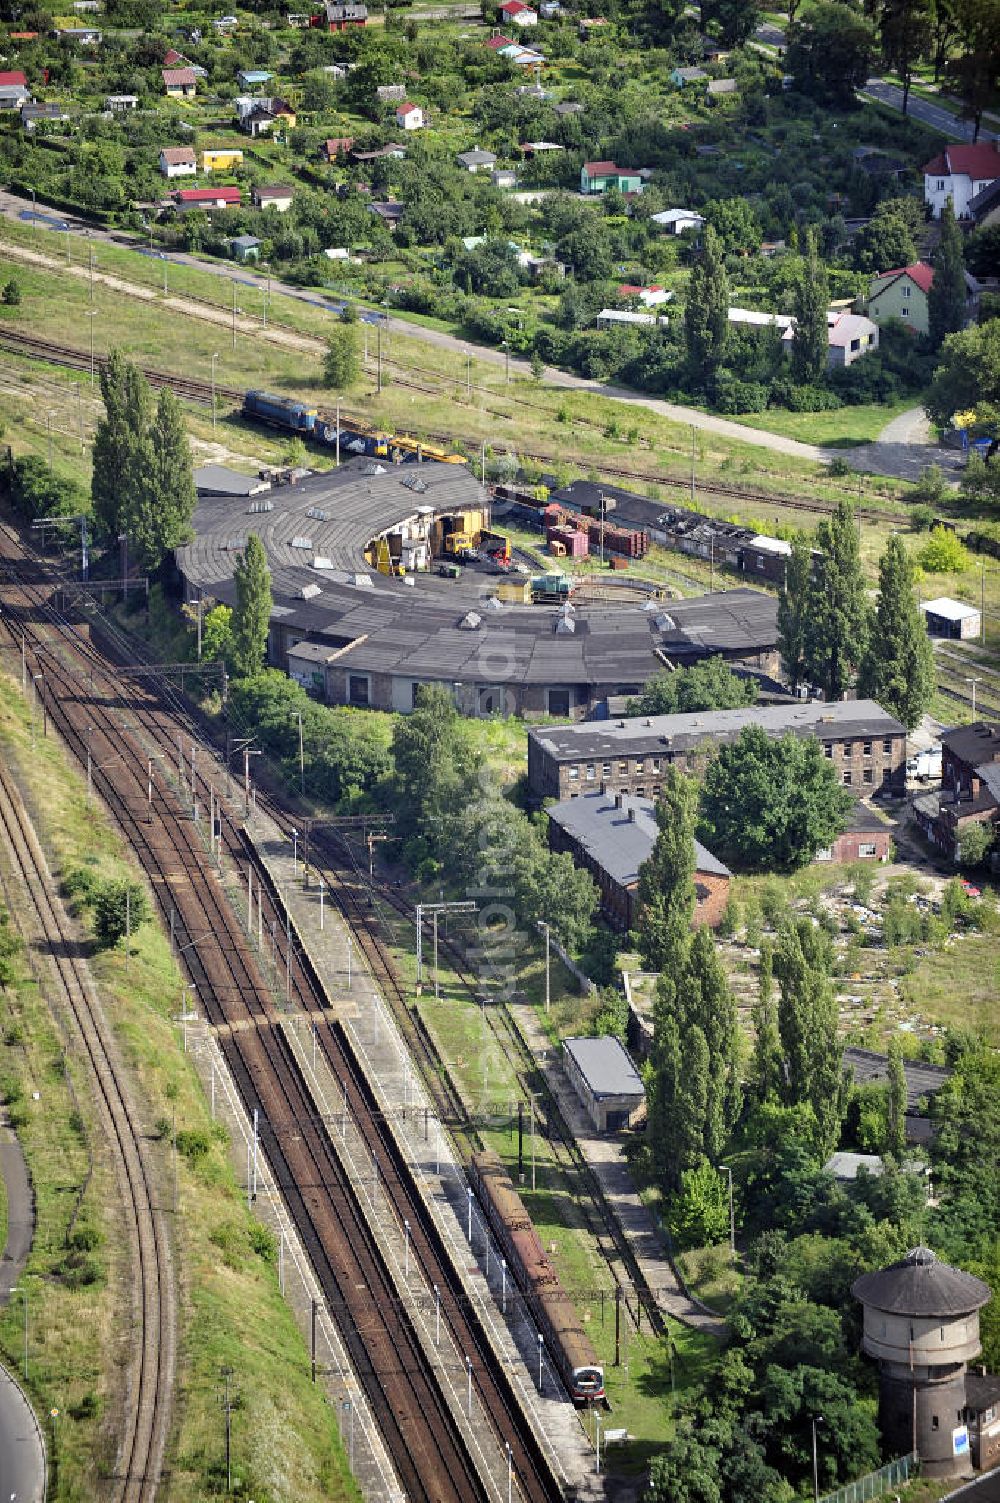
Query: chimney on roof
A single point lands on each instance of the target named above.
(631, 815)
(621, 800)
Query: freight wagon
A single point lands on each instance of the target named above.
(523, 506)
(569, 1346)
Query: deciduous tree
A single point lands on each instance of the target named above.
(121, 455)
(708, 685)
(252, 613)
(906, 31)
(967, 377)
(830, 51)
(898, 666)
(341, 365)
(770, 804)
(807, 1023)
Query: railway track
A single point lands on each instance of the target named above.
(201, 392)
(148, 1406)
(431, 1455)
(346, 882)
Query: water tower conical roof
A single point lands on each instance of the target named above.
(920, 1284)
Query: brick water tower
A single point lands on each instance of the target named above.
(921, 1325)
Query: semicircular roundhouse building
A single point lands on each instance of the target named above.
(921, 1324)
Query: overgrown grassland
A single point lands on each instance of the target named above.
(231, 1314)
(524, 416)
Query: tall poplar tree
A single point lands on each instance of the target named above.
(142, 484)
(896, 1124)
(163, 501)
(807, 1024)
(946, 299)
(665, 893)
(252, 612)
(706, 313)
(121, 454)
(768, 1069)
(898, 666)
(838, 617)
(812, 297)
(666, 901)
(793, 607)
(710, 1008)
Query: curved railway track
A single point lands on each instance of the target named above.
(201, 392)
(148, 1405)
(428, 1448)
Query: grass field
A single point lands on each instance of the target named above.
(285, 1435)
(842, 429)
(523, 416)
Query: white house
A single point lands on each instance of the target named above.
(649, 297)
(518, 13)
(178, 161)
(959, 173)
(676, 221)
(849, 336)
(409, 116)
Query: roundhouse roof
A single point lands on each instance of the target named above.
(314, 535)
(920, 1284)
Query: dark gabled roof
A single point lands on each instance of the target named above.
(642, 734)
(982, 1391)
(869, 1068)
(619, 834)
(988, 198)
(976, 743)
(921, 1285)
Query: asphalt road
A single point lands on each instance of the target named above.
(927, 113)
(22, 1454)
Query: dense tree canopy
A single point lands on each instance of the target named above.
(769, 803)
(708, 685)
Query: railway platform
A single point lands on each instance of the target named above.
(365, 1016)
(603, 1154)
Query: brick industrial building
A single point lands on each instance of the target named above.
(611, 835)
(970, 786)
(866, 745)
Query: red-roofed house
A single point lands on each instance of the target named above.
(649, 297)
(174, 59)
(495, 43)
(409, 116)
(597, 177)
(14, 91)
(207, 198)
(518, 13)
(959, 173)
(903, 293)
(179, 83)
(335, 145)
